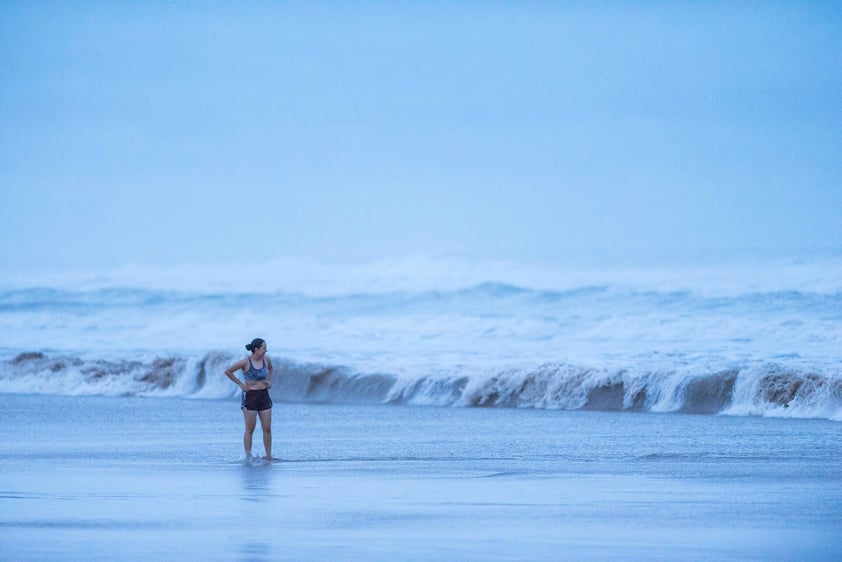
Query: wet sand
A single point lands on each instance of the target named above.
(131, 478)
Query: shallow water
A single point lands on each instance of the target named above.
(134, 478)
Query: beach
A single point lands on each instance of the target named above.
(536, 280)
(458, 413)
(137, 478)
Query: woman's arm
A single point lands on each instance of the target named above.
(229, 372)
(269, 374)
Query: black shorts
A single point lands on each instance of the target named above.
(257, 400)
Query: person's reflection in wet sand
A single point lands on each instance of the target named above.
(256, 480)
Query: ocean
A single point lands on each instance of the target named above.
(426, 409)
(736, 338)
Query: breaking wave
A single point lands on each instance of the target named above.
(769, 389)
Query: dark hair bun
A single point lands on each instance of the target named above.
(256, 343)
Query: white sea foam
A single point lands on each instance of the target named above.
(442, 332)
(761, 389)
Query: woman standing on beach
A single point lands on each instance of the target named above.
(257, 375)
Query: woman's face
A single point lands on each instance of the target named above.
(260, 351)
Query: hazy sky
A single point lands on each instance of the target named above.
(169, 132)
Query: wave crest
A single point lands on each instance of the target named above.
(767, 390)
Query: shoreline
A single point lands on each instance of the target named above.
(160, 478)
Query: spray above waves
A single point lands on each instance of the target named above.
(765, 389)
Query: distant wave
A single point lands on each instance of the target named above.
(766, 390)
(29, 299)
(508, 299)
(419, 274)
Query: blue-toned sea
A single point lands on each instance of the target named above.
(426, 409)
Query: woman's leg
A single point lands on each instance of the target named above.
(266, 426)
(250, 417)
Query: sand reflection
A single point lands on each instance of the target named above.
(256, 479)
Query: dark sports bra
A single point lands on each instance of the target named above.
(257, 374)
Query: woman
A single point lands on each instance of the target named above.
(257, 374)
